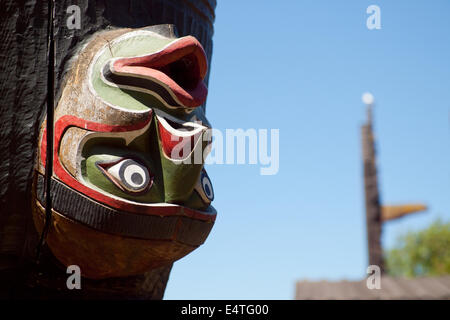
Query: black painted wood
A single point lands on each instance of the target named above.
(23, 92)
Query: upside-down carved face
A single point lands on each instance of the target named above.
(129, 191)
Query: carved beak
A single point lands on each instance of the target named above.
(175, 73)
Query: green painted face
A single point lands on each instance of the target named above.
(144, 74)
(95, 172)
(169, 181)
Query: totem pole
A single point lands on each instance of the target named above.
(117, 186)
(376, 213)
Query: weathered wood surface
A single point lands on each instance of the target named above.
(23, 91)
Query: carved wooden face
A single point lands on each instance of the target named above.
(129, 191)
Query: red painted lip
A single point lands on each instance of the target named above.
(181, 66)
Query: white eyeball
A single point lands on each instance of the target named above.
(132, 176)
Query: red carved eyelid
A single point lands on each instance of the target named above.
(67, 121)
(110, 177)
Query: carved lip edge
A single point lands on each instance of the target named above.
(146, 67)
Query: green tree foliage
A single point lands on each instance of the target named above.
(421, 253)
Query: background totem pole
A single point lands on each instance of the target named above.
(377, 213)
(27, 59)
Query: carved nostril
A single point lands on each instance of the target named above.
(185, 72)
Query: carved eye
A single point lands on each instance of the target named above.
(207, 186)
(129, 175)
(204, 187)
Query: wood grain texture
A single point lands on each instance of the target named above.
(23, 45)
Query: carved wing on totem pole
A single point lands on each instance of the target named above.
(129, 191)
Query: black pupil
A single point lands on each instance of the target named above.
(136, 178)
(208, 192)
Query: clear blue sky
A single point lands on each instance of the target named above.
(301, 67)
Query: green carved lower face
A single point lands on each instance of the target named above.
(141, 171)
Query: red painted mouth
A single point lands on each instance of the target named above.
(181, 67)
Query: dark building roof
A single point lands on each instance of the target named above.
(391, 288)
